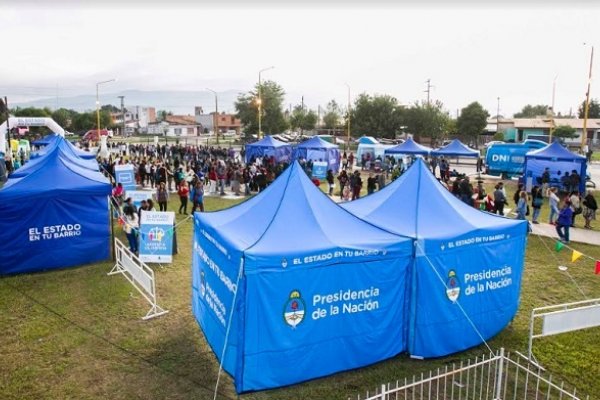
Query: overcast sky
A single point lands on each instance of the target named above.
(470, 53)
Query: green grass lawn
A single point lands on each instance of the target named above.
(77, 334)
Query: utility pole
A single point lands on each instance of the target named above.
(587, 104)
(553, 97)
(428, 90)
(319, 116)
(122, 115)
(498, 117)
(349, 115)
(302, 116)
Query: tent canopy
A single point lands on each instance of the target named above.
(258, 225)
(367, 140)
(64, 149)
(267, 147)
(316, 286)
(55, 216)
(316, 142)
(462, 254)
(46, 140)
(555, 152)
(317, 149)
(559, 161)
(409, 147)
(455, 149)
(51, 174)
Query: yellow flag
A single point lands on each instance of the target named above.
(575, 256)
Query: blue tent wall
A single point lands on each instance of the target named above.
(317, 149)
(452, 238)
(298, 249)
(267, 147)
(556, 158)
(67, 203)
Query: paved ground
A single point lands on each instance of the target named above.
(576, 234)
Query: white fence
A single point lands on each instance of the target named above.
(496, 377)
(139, 275)
(562, 318)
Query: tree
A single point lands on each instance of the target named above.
(332, 116)
(530, 111)
(565, 131)
(302, 119)
(162, 114)
(378, 115)
(64, 117)
(83, 122)
(110, 108)
(427, 119)
(472, 121)
(273, 120)
(32, 112)
(593, 109)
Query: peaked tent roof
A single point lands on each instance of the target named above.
(408, 147)
(64, 150)
(268, 141)
(418, 206)
(292, 218)
(455, 148)
(316, 142)
(46, 140)
(367, 140)
(555, 151)
(55, 174)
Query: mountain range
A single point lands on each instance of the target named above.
(179, 102)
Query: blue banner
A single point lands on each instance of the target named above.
(156, 236)
(125, 176)
(137, 196)
(484, 277)
(321, 321)
(319, 169)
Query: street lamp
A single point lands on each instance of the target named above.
(259, 100)
(98, 103)
(216, 121)
(349, 108)
(587, 103)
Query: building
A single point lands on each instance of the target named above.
(137, 118)
(176, 125)
(520, 129)
(227, 123)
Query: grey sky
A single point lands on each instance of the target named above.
(470, 53)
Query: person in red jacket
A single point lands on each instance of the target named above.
(183, 193)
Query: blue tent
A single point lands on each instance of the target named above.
(455, 149)
(316, 289)
(559, 160)
(367, 140)
(46, 140)
(52, 139)
(64, 150)
(317, 149)
(55, 216)
(267, 147)
(465, 259)
(409, 147)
